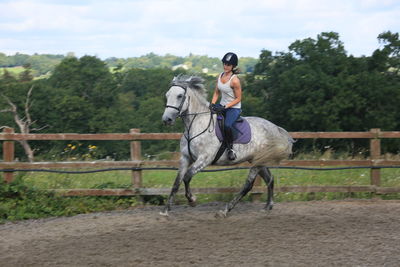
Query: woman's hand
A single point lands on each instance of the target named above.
(217, 108)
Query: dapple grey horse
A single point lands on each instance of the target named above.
(269, 143)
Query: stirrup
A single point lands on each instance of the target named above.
(231, 154)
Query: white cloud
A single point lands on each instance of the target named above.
(126, 28)
(28, 16)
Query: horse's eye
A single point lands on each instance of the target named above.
(180, 96)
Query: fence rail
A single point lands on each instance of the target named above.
(375, 162)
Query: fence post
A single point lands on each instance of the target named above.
(375, 153)
(136, 152)
(8, 154)
(256, 197)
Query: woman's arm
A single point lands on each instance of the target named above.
(215, 95)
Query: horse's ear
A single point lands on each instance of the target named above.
(174, 79)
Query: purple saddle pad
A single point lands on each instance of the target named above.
(243, 135)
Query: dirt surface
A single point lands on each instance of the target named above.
(335, 233)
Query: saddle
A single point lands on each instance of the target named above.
(242, 127)
(242, 134)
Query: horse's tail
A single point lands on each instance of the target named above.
(277, 147)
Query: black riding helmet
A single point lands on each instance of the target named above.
(231, 59)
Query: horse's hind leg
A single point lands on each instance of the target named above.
(246, 188)
(269, 181)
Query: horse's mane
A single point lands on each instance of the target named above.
(193, 82)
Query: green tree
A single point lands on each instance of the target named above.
(317, 87)
(388, 58)
(26, 75)
(4, 60)
(86, 93)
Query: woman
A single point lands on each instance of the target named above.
(230, 90)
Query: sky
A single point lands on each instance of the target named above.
(123, 28)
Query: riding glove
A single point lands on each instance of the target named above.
(217, 108)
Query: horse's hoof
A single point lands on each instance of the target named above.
(268, 207)
(221, 214)
(266, 211)
(164, 213)
(192, 202)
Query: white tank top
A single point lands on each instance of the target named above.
(227, 94)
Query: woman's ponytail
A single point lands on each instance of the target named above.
(235, 70)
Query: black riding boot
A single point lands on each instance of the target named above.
(229, 144)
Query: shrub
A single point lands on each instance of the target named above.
(19, 201)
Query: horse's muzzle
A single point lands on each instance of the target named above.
(168, 120)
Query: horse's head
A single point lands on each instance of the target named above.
(178, 97)
(176, 103)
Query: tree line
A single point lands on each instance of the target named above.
(314, 86)
(317, 86)
(43, 64)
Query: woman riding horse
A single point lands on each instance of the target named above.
(199, 145)
(228, 86)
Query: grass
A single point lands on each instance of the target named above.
(14, 70)
(234, 178)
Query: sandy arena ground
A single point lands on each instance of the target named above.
(335, 233)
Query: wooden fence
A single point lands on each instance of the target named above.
(374, 162)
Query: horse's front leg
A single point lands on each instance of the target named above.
(197, 166)
(183, 166)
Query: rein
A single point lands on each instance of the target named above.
(188, 138)
(182, 115)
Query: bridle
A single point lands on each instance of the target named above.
(179, 109)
